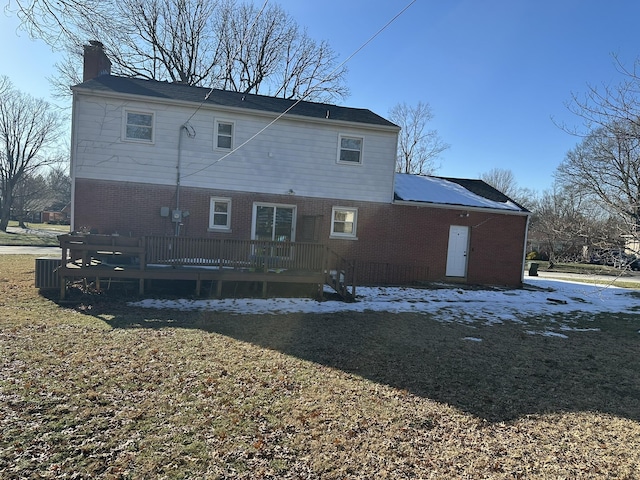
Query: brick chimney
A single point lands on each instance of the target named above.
(96, 62)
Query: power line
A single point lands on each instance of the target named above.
(307, 93)
(236, 53)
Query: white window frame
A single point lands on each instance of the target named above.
(212, 204)
(361, 151)
(223, 121)
(350, 236)
(125, 124)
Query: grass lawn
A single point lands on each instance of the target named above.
(37, 235)
(581, 268)
(104, 390)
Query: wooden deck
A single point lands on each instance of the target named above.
(104, 257)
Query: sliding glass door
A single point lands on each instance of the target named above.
(276, 223)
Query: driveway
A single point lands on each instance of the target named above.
(627, 277)
(40, 251)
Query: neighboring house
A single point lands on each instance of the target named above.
(55, 214)
(155, 158)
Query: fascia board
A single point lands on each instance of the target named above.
(236, 110)
(448, 206)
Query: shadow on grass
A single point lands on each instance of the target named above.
(509, 374)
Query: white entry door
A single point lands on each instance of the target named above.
(457, 251)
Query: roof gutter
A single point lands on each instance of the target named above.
(263, 113)
(466, 208)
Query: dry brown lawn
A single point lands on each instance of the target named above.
(98, 389)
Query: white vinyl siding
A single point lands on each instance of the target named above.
(344, 222)
(220, 214)
(293, 154)
(138, 126)
(350, 150)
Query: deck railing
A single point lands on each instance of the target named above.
(232, 260)
(237, 254)
(340, 275)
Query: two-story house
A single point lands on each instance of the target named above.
(156, 158)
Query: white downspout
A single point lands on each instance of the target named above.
(72, 162)
(524, 253)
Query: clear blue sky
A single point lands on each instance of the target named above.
(495, 72)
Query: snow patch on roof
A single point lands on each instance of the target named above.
(419, 188)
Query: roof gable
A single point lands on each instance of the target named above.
(453, 192)
(174, 91)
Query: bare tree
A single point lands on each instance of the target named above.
(505, 181)
(252, 44)
(57, 21)
(418, 147)
(568, 227)
(45, 189)
(58, 184)
(309, 71)
(29, 195)
(608, 105)
(605, 169)
(605, 165)
(28, 126)
(220, 43)
(501, 179)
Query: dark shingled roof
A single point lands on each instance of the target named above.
(480, 187)
(224, 98)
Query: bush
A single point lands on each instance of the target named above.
(532, 255)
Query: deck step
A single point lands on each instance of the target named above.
(339, 287)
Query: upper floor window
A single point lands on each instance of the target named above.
(344, 221)
(224, 134)
(138, 126)
(350, 150)
(220, 214)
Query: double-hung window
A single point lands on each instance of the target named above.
(224, 134)
(138, 126)
(220, 214)
(350, 149)
(344, 221)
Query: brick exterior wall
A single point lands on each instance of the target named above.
(396, 244)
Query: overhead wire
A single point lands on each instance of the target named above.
(306, 94)
(236, 53)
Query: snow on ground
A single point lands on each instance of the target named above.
(447, 303)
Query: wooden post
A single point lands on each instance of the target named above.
(142, 260)
(63, 265)
(353, 279)
(265, 269)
